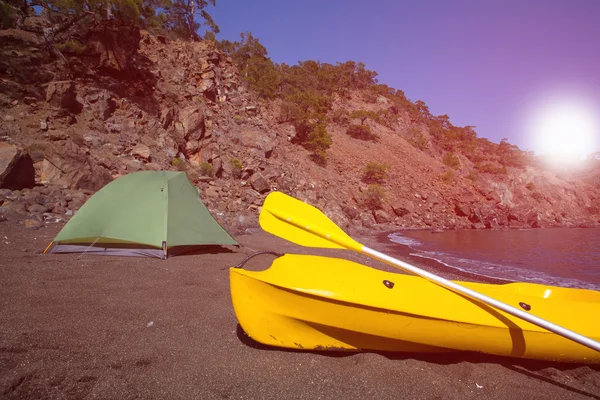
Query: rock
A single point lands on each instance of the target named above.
(290, 132)
(259, 183)
(257, 140)
(382, 100)
(16, 168)
(166, 117)
(462, 210)
(132, 165)
(13, 211)
(44, 124)
(153, 167)
(218, 166)
(533, 219)
(37, 209)
(32, 224)
(92, 141)
(49, 173)
(367, 220)
(478, 225)
(62, 95)
(191, 123)
(211, 193)
(142, 151)
(351, 212)
(403, 208)
(251, 110)
(381, 217)
(56, 136)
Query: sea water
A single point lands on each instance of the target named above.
(560, 257)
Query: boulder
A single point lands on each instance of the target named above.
(32, 224)
(257, 140)
(259, 183)
(403, 208)
(62, 94)
(351, 212)
(13, 211)
(141, 151)
(462, 210)
(16, 168)
(190, 123)
(49, 173)
(381, 217)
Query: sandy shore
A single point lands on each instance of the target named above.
(74, 327)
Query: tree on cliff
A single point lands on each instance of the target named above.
(180, 16)
(255, 67)
(56, 16)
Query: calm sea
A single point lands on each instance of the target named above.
(559, 257)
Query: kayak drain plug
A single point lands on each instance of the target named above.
(525, 306)
(388, 284)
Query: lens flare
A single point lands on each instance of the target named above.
(565, 130)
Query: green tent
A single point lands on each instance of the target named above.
(147, 213)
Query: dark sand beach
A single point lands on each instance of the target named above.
(82, 326)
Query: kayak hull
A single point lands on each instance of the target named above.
(320, 303)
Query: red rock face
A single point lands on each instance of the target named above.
(151, 103)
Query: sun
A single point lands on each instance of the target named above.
(566, 129)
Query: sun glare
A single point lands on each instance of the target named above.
(567, 130)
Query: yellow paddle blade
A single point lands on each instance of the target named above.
(303, 224)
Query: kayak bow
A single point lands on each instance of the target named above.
(320, 303)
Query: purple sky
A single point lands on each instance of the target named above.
(487, 63)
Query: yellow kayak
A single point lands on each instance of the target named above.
(319, 303)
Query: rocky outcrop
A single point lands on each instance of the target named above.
(134, 101)
(16, 168)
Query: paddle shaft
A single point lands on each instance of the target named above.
(294, 218)
(559, 330)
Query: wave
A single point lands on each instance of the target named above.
(505, 272)
(406, 241)
(489, 269)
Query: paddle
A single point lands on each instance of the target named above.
(303, 224)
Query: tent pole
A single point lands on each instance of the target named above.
(87, 248)
(48, 247)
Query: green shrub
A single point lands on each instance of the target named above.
(72, 46)
(207, 169)
(363, 115)
(490, 168)
(236, 167)
(447, 177)
(375, 172)
(176, 161)
(417, 139)
(318, 141)
(340, 116)
(451, 160)
(473, 176)
(362, 132)
(7, 14)
(530, 186)
(538, 196)
(319, 157)
(374, 197)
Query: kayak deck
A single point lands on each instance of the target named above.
(320, 303)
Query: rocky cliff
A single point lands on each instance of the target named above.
(130, 101)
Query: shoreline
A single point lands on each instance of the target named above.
(403, 252)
